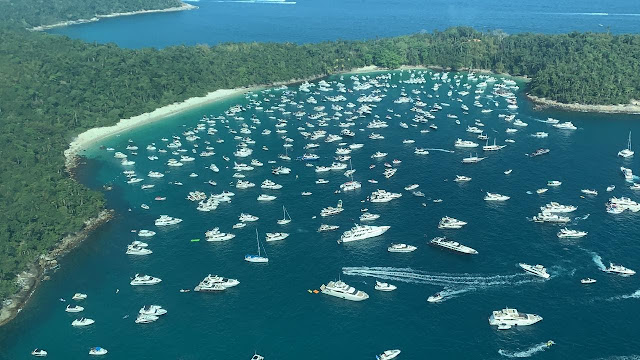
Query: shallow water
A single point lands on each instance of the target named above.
(271, 311)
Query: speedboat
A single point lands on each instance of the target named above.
(146, 319)
(276, 236)
(74, 308)
(542, 190)
(97, 351)
(257, 357)
(507, 172)
(382, 286)
(388, 354)
(496, 197)
(587, 281)
(568, 125)
(411, 187)
(461, 178)
(39, 352)
(537, 270)
(401, 248)
(554, 183)
(571, 234)
(619, 269)
(79, 296)
(82, 322)
(437, 297)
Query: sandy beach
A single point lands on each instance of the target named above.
(92, 136)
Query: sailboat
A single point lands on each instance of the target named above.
(350, 185)
(284, 219)
(627, 152)
(257, 258)
(285, 156)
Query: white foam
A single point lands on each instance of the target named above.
(524, 353)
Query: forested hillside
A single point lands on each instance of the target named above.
(54, 88)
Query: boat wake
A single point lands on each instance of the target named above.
(597, 259)
(634, 295)
(453, 284)
(442, 150)
(525, 353)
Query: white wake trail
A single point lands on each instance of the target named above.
(525, 353)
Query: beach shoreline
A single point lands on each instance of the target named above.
(632, 108)
(182, 7)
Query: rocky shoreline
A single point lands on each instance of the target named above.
(632, 108)
(182, 7)
(29, 280)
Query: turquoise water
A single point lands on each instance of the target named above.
(314, 21)
(271, 311)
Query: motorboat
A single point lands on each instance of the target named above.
(554, 207)
(388, 355)
(465, 144)
(628, 174)
(361, 232)
(587, 281)
(265, 197)
(546, 216)
(450, 223)
(215, 283)
(257, 357)
(496, 197)
(507, 172)
(165, 220)
(369, 217)
(146, 319)
(156, 310)
(276, 236)
(341, 290)
(73, 308)
(247, 218)
(39, 352)
(472, 159)
(79, 296)
(462, 178)
(568, 125)
(539, 152)
(513, 317)
(381, 196)
(411, 187)
(329, 211)
(619, 270)
(146, 233)
(325, 227)
(537, 270)
(554, 183)
(401, 248)
(139, 280)
(137, 250)
(571, 234)
(216, 235)
(98, 351)
(82, 322)
(542, 191)
(589, 192)
(437, 297)
(383, 286)
(452, 245)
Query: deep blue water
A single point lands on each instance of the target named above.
(271, 311)
(316, 21)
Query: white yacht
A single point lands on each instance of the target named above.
(542, 190)
(537, 270)
(361, 232)
(82, 322)
(156, 310)
(554, 207)
(546, 216)
(437, 297)
(496, 197)
(388, 354)
(589, 192)
(97, 351)
(350, 185)
(216, 235)
(268, 184)
(401, 248)
(247, 217)
(619, 269)
(420, 151)
(380, 196)
(554, 183)
(389, 172)
(276, 236)
(568, 125)
(378, 155)
(452, 245)
(472, 159)
(462, 178)
(587, 281)
(209, 285)
(146, 233)
(257, 357)
(450, 223)
(146, 319)
(341, 290)
(137, 250)
(165, 220)
(571, 234)
(512, 317)
(145, 280)
(369, 216)
(215, 279)
(383, 286)
(325, 227)
(39, 352)
(73, 308)
(79, 296)
(465, 144)
(540, 134)
(329, 211)
(628, 174)
(411, 187)
(265, 197)
(626, 153)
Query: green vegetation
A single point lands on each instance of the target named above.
(30, 13)
(54, 88)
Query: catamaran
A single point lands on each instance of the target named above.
(625, 153)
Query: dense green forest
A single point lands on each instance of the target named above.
(30, 13)
(54, 88)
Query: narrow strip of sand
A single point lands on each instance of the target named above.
(92, 136)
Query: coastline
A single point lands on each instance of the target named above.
(182, 7)
(632, 108)
(29, 279)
